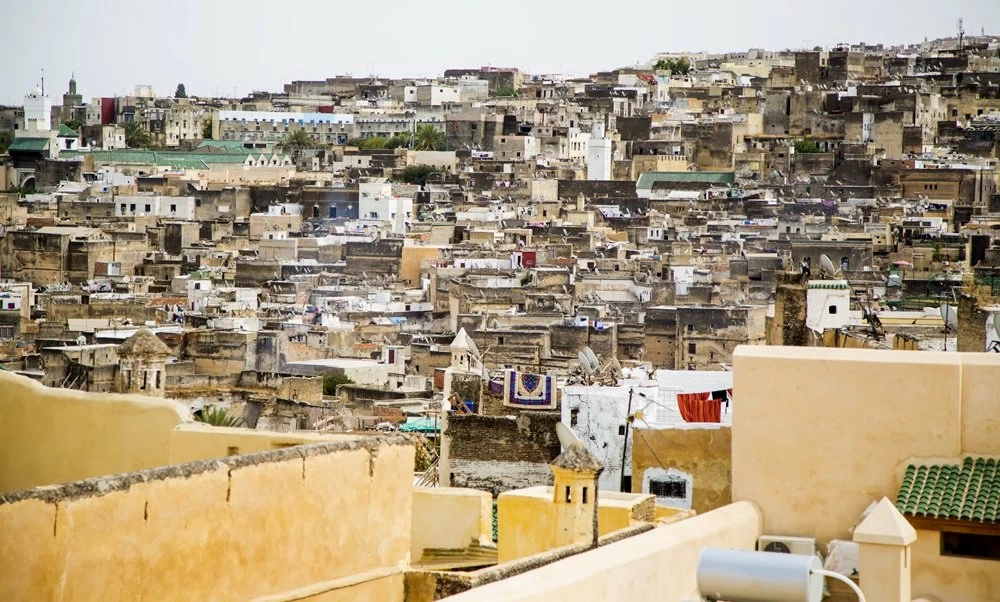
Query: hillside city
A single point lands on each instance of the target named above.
(499, 335)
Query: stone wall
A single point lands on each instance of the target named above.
(497, 453)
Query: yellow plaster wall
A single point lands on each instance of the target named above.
(818, 434)
(980, 404)
(949, 578)
(197, 441)
(526, 520)
(703, 453)
(234, 529)
(450, 518)
(663, 563)
(59, 435)
(409, 268)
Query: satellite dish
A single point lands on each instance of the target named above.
(949, 316)
(996, 322)
(777, 546)
(826, 266)
(566, 437)
(588, 368)
(592, 357)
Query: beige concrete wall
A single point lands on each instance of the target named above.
(818, 434)
(238, 528)
(59, 435)
(450, 518)
(659, 565)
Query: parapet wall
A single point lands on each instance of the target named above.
(234, 528)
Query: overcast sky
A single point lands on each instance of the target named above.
(218, 46)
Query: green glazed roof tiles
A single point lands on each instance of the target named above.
(969, 490)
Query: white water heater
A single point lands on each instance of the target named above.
(744, 576)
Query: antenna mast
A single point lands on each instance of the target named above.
(961, 32)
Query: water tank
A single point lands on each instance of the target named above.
(744, 576)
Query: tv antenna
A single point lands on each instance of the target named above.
(961, 32)
(950, 317)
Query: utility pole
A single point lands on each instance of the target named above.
(628, 422)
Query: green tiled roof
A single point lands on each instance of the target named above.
(67, 132)
(649, 178)
(968, 491)
(176, 159)
(29, 144)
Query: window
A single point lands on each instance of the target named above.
(833, 310)
(147, 208)
(6, 332)
(691, 348)
(131, 208)
(568, 497)
(173, 208)
(584, 497)
(675, 488)
(970, 545)
(621, 430)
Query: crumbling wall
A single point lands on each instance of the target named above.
(498, 453)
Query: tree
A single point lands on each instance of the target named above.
(506, 91)
(805, 146)
(298, 140)
(6, 138)
(218, 417)
(332, 381)
(206, 129)
(679, 66)
(74, 125)
(371, 143)
(180, 92)
(428, 138)
(137, 136)
(417, 174)
(397, 141)
(817, 48)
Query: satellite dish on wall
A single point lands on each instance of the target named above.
(585, 364)
(826, 266)
(566, 437)
(592, 357)
(949, 316)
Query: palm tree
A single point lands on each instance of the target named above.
(218, 417)
(428, 138)
(137, 136)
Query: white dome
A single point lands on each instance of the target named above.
(37, 91)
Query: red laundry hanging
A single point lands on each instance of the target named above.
(699, 407)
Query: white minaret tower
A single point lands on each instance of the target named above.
(37, 111)
(598, 154)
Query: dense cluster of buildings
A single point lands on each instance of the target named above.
(565, 289)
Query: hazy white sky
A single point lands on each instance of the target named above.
(216, 46)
